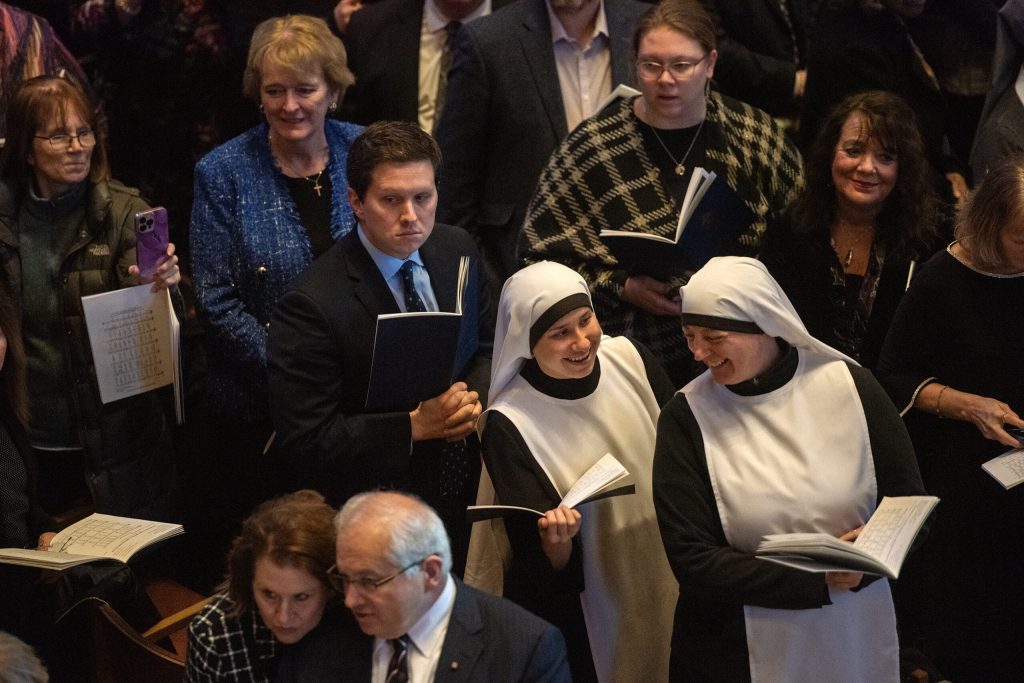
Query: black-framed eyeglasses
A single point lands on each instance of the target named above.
(340, 582)
(680, 71)
(62, 141)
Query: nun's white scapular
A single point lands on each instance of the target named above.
(796, 459)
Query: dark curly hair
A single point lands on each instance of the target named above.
(909, 214)
(295, 530)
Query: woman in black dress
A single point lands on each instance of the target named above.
(953, 363)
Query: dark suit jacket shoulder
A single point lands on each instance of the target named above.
(488, 639)
(504, 114)
(383, 45)
(320, 349)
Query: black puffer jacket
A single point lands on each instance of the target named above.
(129, 457)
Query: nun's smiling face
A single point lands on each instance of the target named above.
(732, 357)
(568, 350)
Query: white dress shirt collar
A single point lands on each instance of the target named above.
(426, 640)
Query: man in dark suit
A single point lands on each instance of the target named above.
(396, 49)
(416, 622)
(321, 341)
(505, 111)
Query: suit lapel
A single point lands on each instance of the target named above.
(367, 283)
(464, 640)
(535, 41)
(443, 269)
(405, 50)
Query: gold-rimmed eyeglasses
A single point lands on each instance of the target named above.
(340, 582)
(679, 71)
(62, 141)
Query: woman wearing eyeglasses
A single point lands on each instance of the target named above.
(277, 591)
(67, 231)
(628, 167)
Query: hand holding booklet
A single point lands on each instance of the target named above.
(880, 548)
(97, 537)
(593, 485)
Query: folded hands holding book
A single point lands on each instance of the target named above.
(452, 415)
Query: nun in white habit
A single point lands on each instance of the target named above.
(781, 434)
(563, 395)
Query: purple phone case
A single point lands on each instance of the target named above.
(151, 238)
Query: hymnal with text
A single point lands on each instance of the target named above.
(880, 548)
(97, 537)
(1008, 468)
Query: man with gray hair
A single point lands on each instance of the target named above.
(417, 622)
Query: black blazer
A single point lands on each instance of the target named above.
(383, 45)
(488, 639)
(504, 116)
(760, 49)
(319, 352)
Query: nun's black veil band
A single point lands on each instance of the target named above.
(717, 323)
(551, 316)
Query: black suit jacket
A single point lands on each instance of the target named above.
(504, 117)
(488, 639)
(319, 352)
(760, 48)
(383, 45)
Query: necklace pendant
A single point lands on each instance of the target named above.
(317, 187)
(680, 169)
(849, 258)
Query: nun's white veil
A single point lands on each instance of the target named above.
(732, 291)
(530, 295)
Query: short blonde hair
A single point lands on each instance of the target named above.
(300, 43)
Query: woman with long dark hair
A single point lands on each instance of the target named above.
(865, 219)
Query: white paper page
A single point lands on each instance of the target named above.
(604, 472)
(1008, 468)
(621, 90)
(700, 181)
(110, 536)
(131, 340)
(890, 531)
(43, 559)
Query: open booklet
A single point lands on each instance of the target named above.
(97, 537)
(593, 485)
(414, 354)
(711, 219)
(1008, 468)
(880, 549)
(135, 338)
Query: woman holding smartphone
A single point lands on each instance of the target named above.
(67, 231)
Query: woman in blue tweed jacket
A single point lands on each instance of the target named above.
(266, 204)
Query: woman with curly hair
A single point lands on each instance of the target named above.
(855, 234)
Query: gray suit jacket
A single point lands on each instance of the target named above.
(488, 639)
(504, 117)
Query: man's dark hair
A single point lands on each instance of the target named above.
(388, 142)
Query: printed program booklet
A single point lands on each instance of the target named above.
(880, 549)
(593, 485)
(711, 219)
(1008, 468)
(414, 354)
